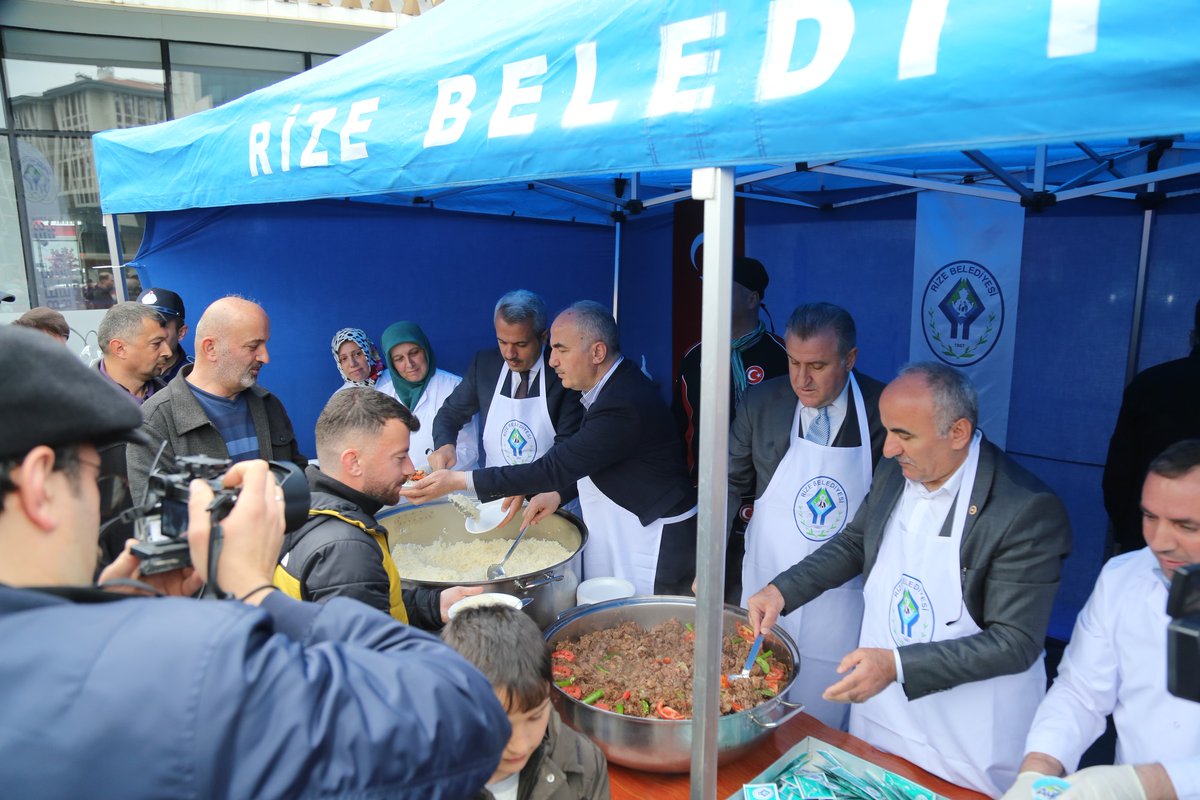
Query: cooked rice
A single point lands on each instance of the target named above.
(465, 505)
(464, 562)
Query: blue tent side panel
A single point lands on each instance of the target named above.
(321, 266)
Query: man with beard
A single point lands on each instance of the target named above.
(218, 409)
(342, 551)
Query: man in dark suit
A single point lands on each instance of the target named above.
(533, 410)
(1161, 406)
(961, 550)
(798, 450)
(626, 463)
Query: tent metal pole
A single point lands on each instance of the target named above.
(716, 188)
(113, 233)
(616, 268)
(1139, 295)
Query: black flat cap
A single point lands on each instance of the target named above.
(47, 396)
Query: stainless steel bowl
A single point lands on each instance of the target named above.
(661, 745)
(550, 590)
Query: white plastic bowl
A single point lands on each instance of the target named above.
(485, 599)
(597, 590)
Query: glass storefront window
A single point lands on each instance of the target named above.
(71, 259)
(67, 82)
(12, 261)
(206, 76)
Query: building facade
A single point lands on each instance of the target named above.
(71, 68)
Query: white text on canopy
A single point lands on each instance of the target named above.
(313, 155)
(1072, 32)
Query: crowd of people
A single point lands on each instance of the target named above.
(914, 563)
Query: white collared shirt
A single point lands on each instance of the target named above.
(514, 378)
(921, 512)
(589, 397)
(837, 413)
(1117, 662)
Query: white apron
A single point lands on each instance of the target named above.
(814, 492)
(973, 734)
(517, 431)
(619, 546)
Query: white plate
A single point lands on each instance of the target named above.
(490, 517)
(485, 599)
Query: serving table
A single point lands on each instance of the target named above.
(630, 784)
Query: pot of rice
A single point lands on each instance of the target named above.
(431, 547)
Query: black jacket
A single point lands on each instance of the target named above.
(627, 445)
(474, 395)
(176, 417)
(1161, 406)
(332, 558)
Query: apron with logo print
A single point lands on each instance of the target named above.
(517, 431)
(973, 734)
(812, 495)
(619, 546)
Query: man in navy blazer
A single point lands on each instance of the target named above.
(626, 462)
(520, 322)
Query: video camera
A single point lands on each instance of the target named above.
(162, 516)
(1183, 634)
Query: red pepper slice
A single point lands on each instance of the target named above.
(666, 712)
(626, 695)
(736, 706)
(564, 655)
(776, 673)
(724, 681)
(605, 706)
(690, 636)
(560, 671)
(746, 631)
(573, 691)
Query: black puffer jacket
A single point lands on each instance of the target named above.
(331, 557)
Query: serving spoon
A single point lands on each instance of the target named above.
(749, 665)
(496, 571)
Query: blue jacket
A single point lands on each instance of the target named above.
(181, 698)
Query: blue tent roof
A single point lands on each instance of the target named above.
(481, 93)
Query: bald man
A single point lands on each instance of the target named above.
(218, 409)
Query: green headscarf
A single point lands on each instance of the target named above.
(407, 392)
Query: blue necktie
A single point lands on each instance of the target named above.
(818, 432)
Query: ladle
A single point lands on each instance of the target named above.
(496, 571)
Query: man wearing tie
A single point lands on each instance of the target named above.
(523, 406)
(797, 446)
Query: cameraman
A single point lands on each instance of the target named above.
(1116, 662)
(106, 695)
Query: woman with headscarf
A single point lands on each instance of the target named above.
(416, 382)
(356, 357)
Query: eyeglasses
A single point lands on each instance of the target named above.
(113, 488)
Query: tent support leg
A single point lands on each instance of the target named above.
(616, 269)
(1139, 296)
(113, 231)
(716, 188)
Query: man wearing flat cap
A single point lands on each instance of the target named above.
(258, 696)
(170, 305)
(755, 355)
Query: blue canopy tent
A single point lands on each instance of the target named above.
(594, 112)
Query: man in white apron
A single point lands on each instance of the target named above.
(626, 457)
(523, 405)
(1117, 660)
(961, 550)
(807, 476)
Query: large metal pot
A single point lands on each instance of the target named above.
(551, 590)
(660, 745)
